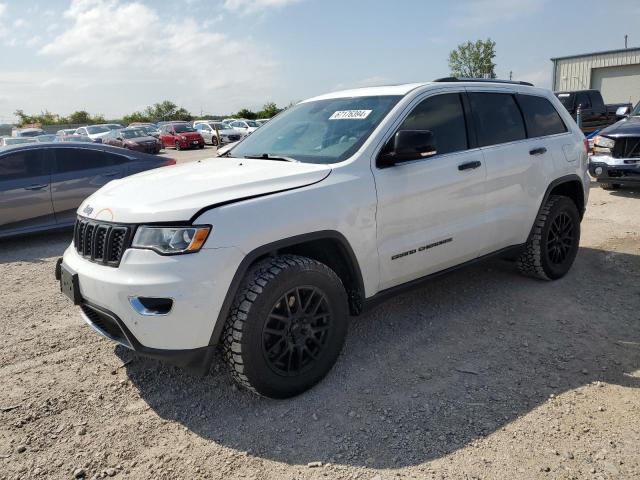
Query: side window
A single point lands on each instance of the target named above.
(444, 116)
(583, 99)
(596, 100)
(77, 159)
(497, 118)
(114, 159)
(22, 165)
(540, 116)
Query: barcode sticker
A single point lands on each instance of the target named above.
(350, 115)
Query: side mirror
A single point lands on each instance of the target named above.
(408, 145)
(622, 112)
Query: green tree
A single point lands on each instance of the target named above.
(81, 116)
(473, 59)
(246, 113)
(269, 110)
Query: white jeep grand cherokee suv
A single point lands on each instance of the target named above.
(332, 205)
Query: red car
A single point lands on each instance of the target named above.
(180, 135)
(133, 139)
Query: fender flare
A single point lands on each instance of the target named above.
(273, 247)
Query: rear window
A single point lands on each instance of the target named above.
(541, 117)
(497, 117)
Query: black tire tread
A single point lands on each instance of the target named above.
(530, 261)
(253, 285)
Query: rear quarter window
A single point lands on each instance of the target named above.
(540, 116)
(497, 118)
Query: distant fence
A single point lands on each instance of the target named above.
(6, 129)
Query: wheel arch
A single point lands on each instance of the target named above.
(327, 246)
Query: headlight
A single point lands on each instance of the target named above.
(603, 142)
(171, 240)
(183, 137)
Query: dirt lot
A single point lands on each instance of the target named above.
(480, 374)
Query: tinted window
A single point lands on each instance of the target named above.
(497, 117)
(582, 99)
(74, 159)
(444, 116)
(183, 127)
(22, 165)
(540, 116)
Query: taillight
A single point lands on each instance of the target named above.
(169, 161)
(586, 145)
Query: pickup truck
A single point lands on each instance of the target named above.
(595, 114)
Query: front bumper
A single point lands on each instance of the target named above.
(197, 283)
(606, 169)
(185, 144)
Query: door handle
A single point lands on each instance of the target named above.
(538, 151)
(469, 165)
(36, 187)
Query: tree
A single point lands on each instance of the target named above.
(473, 59)
(246, 113)
(269, 110)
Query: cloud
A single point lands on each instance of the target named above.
(251, 6)
(139, 53)
(487, 12)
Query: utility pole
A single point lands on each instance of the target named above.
(511, 75)
(625, 40)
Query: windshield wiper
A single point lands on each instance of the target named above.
(266, 156)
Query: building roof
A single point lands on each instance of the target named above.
(606, 52)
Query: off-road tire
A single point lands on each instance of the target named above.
(535, 261)
(243, 338)
(610, 186)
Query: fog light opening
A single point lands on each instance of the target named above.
(598, 170)
(151, 305)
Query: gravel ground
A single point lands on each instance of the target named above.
(479, 374)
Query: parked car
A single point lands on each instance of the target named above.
(66, 131)
(50, 137)
(207, 129)
(112, 126)
(245, 127)
(28, 132)
(337, 203)
(150, 130)
(7, 141)
(181, 136)
(229, 120)
(616, 153)
(73, 138)
(42, 184)
(133, 138)
(595, 114)
(262, 121)
(94, 132)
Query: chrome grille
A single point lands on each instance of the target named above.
(101, 242)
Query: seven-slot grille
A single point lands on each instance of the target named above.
(101, 242)
(627, 147)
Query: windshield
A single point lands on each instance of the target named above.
(132, 133)
(252, 124)
(636, 110)
(113, 126)
(181, 128)
(97, 129)
(323, 131)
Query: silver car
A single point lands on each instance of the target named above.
(208, 131)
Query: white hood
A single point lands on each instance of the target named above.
(94, 136)
(176, 193)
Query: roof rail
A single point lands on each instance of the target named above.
(486, 80)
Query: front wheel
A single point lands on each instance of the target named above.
(177, 144)
(553, 244)
(286, 327)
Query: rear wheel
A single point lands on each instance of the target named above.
(610, 186)
(553, 243)
(214, 140)
(286, 327)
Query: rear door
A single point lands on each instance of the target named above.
(77, 173)
(515, 170)
(25, 192)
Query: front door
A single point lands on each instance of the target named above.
(431, 211)
(25, 192)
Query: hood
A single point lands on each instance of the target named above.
(627, 127)
(93, 136)
(176, 193)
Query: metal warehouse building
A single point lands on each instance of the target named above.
(616, 73)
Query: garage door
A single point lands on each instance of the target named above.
(617, 84)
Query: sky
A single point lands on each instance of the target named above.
(112, 57)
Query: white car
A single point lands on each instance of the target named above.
(330, 207)
(6, 141)
(245, 127)
(94, 132)
(210, 130)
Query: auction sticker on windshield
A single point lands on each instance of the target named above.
(350, 115)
